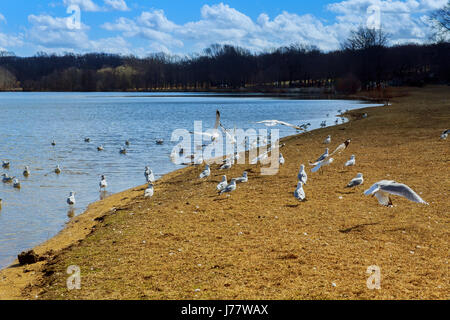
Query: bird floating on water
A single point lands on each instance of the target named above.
(127, 142)
(71, 198)
(57, 169)
(26, 172)
(159, 141)
(53, 143)
(123, 151)
(6, 178)
(205, 173)
(383, 188)
(103, 184)
(5, 164)
(87, 140)
(357, 181)
(230, 187)
(242, 179)
(302, 176)
(1, 204)
(351, 162)
(16, 183)
(327, 140)
(148, 193)
(100, 148)
(222, 184)
(299, 193)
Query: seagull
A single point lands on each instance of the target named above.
(6, 178)
(53, 143)
(327, 140)
(5, 164)
(148, 193)
(100, 148)
(103, 184)
(242, 179)
(231, 136)
(206, 173)
(351, 162)
(302, 176)
(281, 158)
(322, 157)
(71, 198)
(222, 184)
(383, 188)
(159, 141)
(87, 140)
(230, 187)
(273, 123)
(16, 183)
(364, 115)
(123, 150)
(149, 176)
(57, 169)
(444, 134)
(299, 193)
(127, 142)
(341, 147)
(226, 165)
(213, 136)
(357, 181)
(322, 163)
(26, 172)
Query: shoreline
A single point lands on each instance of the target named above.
(18, 282)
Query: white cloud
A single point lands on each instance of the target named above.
(119, 5)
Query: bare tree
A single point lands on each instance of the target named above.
(441, 22)
(365, 38)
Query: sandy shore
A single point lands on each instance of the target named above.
(260, 243)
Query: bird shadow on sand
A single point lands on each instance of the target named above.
(358, 227)
(346, 192)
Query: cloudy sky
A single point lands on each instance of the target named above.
(141, 27)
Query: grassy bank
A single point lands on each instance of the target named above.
(260, 243)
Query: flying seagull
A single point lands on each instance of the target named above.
(206, 173)
(231, 136)
(383, 188)
(230, 187)
(302, 176)
(322, 163)
(71, 198)
(222, 184)
(299, 193)
(327, 140)
(273, 123)
(213, 136)
(351, 162)
(341, 147)
(357, 181)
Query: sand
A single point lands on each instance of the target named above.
(260, 242)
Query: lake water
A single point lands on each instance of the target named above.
(30, 121)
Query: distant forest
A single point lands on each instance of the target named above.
(363, 61)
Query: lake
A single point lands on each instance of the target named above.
(30, 121)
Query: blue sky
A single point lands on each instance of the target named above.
(141, 27)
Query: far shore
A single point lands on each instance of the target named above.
(260, 243)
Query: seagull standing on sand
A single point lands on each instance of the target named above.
(149, 191)
(281, 158)
(383, 188)
(222, 184)
(103, 184)
(302, 176)
(322, 163)
(57, 169)
(444, 134)
(71, 198)
(227, 165)
(16, 183)
(351, 162)
(149, 176)
(357, 181)
(205, 173)
(26, 172)
(242, 179)
(230, 187)
(323, 156)
(299, 193)
(341, 147)
(327, 140)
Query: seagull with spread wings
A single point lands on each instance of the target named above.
(273, 123)
(341, 147)
(382, 189)
(213, 136)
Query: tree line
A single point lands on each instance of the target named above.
(363, 61)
